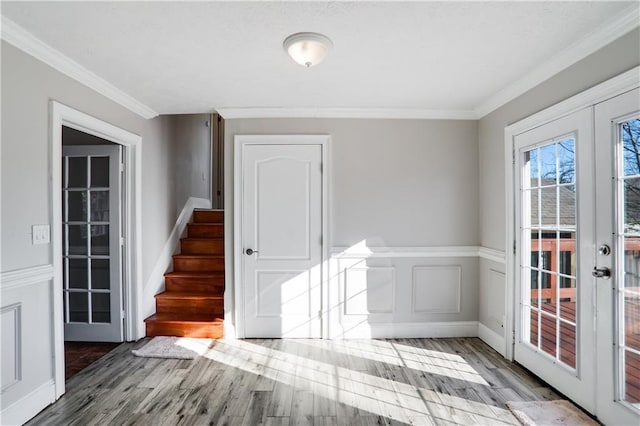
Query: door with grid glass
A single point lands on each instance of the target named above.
(554, 251)
(617, 149)
(92, 243)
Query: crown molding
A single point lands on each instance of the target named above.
(17, 36)
(388, 113)
(627, 21)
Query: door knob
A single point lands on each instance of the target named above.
(604, 250)
(250, 251)
(601, 273)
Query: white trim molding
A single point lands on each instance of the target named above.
(368, 113)
(491, 254)
(615, 28)
(17, 36)
(360, 251)
(412, 330)
(491, 338)
(28, 406)
(155, 283)
(11, 280)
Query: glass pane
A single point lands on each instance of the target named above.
(548, 165)
(568, 260)
(632, 206)
(548, 292)
(100, 278)
(100, 206)
(632, 263)
(530, 207)
(531, 160)
(535, 321)
(632, 320)
(99, 172)
(549, 339)
(78, 307)
(566, 161)
(568, 344)
(100, 239)
(549, 207)
(77, 201)
(100, 307)
(631, 147)
(77, 172)
(535, 249)
(567, 197)
(535, 288)
(632, 377)
(78, 239)
(78, 273)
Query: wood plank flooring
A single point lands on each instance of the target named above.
(301, 382)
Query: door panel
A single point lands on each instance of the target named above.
(282, 223)
(91, 243)
(554, 327)
(617, 147)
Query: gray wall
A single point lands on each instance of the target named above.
(619, 56)
(192, 157)
(28, 86)
(394, 183)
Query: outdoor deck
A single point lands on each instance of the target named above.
(567, 339)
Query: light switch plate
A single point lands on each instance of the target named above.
(40, 234)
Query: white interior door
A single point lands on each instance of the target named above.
(555, 254)
(282, 240)
(617, 147)
(92, 278)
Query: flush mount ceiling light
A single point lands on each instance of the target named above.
(307, 49)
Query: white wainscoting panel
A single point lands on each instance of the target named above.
(369, 290)
(26, 316)
(10, 319)
(436, 289)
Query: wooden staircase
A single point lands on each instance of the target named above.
(192, 304)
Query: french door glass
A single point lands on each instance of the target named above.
(628, 244)
(549, 298)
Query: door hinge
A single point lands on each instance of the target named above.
(514, 246)
(121, 241)
(122, 314)
(121, 167)
(513, 158)
(320, 313)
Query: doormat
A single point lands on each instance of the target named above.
(549, 413)
(174, 348)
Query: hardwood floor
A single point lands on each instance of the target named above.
(79, 355)
(298, 382)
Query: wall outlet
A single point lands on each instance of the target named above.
(40, 234)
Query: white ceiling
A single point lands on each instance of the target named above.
(177, 57)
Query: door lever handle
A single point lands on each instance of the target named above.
(601, 272)
(249, 251)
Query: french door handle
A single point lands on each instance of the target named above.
(249, 251)
(601, 272)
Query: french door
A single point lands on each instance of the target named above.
(282, 244)
(578, 256)
(92, 277)
(617, 148)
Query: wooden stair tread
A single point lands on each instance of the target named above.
(185, 317)
(203, 239)
(195, 274)
(187, 295)
(198, 256)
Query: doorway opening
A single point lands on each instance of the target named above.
(92, 247)
(96, 234)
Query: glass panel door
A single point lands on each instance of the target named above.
(91, 243)
(617, 124)
(554, 332)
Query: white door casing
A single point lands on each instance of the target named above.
(549, 226)
(281, 215)
(612, 299)
(92, 246)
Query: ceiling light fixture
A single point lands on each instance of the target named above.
(307, 49)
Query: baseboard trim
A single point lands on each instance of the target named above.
(29, 405)
(411, 330)
(155, 283)
(491, 338)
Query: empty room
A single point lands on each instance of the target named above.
(320, 212)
